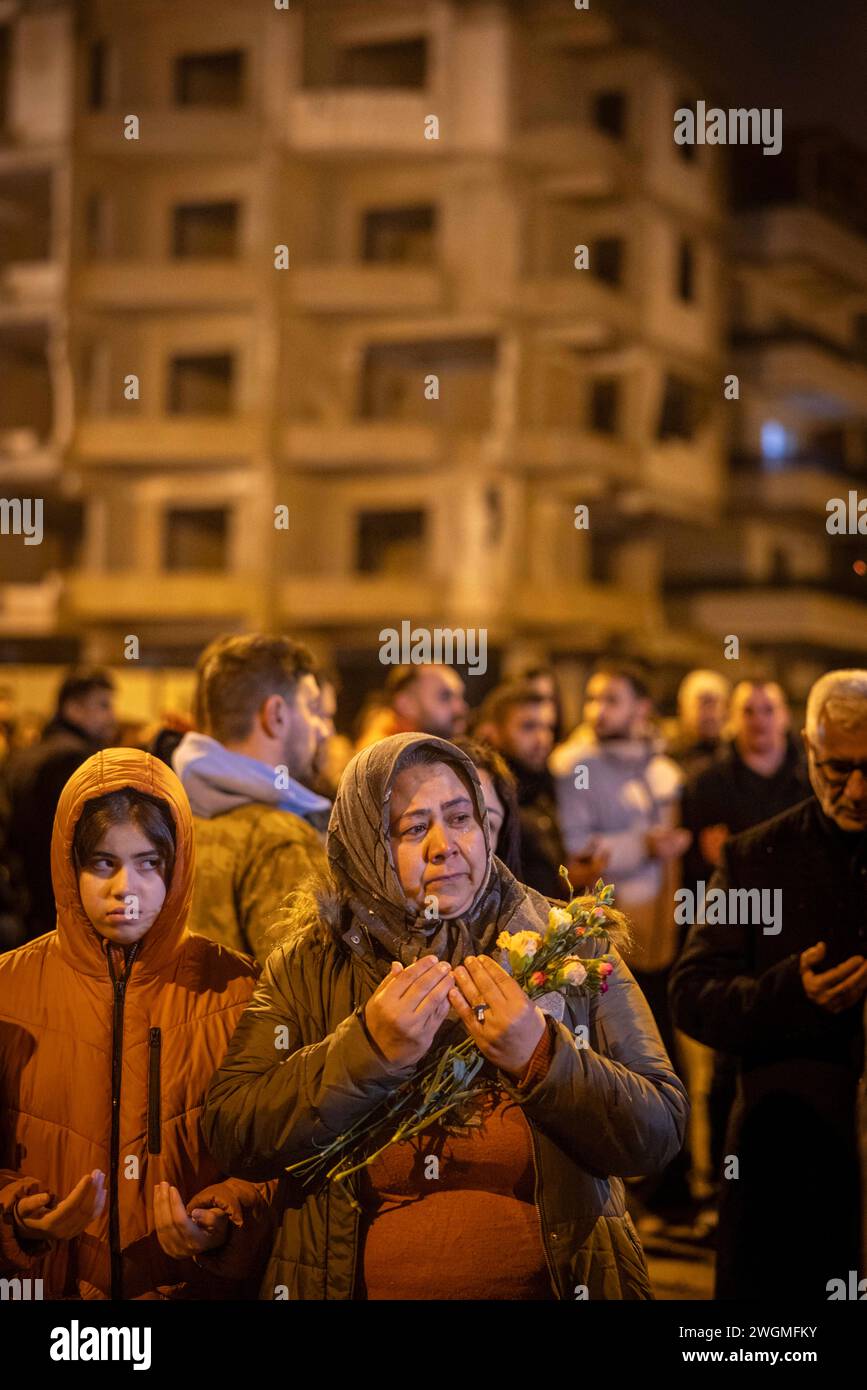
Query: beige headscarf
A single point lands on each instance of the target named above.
(359, 851)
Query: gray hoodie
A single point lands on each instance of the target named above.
(626, 789)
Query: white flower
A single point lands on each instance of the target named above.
(558, 917)
(573, 971)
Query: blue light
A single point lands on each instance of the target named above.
(776, 441)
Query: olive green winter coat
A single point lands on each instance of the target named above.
(247, 861)
(602, 1112)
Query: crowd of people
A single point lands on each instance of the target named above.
(281, 878)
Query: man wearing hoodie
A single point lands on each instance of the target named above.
(259, 727)
(618, 798)
(618, 793)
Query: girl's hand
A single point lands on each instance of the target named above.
(512, 1023)
(178, 1234)
(40, 1216)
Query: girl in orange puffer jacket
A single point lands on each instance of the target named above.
(110, 1029)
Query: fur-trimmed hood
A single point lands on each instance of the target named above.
(320, 910)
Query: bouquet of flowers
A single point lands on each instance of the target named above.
(448, 1088)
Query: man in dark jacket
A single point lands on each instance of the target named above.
(84, 722)
(753, 778)
(520, 723)
(780, 982)
(757, 775)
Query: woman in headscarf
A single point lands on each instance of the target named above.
(528, 1205)
(110, 1028)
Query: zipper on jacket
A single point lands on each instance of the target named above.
(119, 984)
(155, 1039)
(537, 1188)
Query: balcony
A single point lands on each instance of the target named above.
(30, 609)
(133, 284)
(24, 454)
(339, 600)
(359, 289)
(29, 285)
(599, 167)
(797, 615)
(159, 438)
(94, 596)
(801, 248)
(215, 132)
(598, 610)
(361, 119)
(818, 376)
(584, 452)
(356, 443)
(790, 485)
(601, 313)
(385, 600)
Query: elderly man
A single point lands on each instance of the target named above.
(782, 988)
(759, 774)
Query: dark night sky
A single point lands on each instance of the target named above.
(807, 56)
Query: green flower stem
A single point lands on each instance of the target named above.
(369, 1123)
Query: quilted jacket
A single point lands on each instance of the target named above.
(301, 1069)
(96, 1075)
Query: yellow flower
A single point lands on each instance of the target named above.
(522, 946)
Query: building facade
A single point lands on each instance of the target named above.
(353, 306)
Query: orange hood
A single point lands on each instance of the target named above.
(109, 771)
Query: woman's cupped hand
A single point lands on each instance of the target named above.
(404, 1013)
(511, 1024)
(407, 1007)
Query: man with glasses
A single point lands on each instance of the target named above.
(758, 773)
(784, 992)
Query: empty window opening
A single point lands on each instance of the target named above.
(195, 538)
(205, 229)
(210, 79)
(399, 234)
(399, 63)
(606, 260)
(201, 385)
(390, 542)
(683, 409)
(686, 272)
(98, 74)
(605, 405)
(609, 113)
(444, 382)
